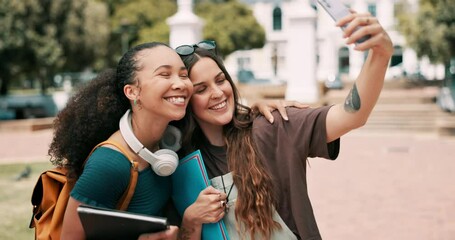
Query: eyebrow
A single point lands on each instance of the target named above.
(162, 66)
(168, 67)
(199, 83)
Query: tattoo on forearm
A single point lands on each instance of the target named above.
(352, 102)
(185, 233)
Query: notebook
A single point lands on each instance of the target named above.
(188, 180)
(103, 223)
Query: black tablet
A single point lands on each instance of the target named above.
(103, 223)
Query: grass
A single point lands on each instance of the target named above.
(15, 200)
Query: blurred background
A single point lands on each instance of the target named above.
(393, 178)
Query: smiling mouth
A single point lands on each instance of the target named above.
(175, 100)
(219, 106)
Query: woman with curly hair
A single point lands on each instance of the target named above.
(152, 84)
(261, 166)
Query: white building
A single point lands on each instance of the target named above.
(333, 56)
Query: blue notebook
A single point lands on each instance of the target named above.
(188, 180)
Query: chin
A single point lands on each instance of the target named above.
(177, 117)
(224, 121)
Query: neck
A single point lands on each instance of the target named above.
(148, 132)
(214, 134)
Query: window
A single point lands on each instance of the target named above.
(397, 57)
(343, 60)
(372, 8)
(277, 18)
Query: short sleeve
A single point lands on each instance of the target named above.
(104, 179)
(304, 134)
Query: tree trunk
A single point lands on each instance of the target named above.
(43, 81)
(4, 83)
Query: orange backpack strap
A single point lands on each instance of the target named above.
(128, 194)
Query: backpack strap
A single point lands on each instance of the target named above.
(128, 194)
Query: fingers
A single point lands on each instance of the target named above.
(267, 112)
(282, 110)
(265, 108)
(375, 40)
(358, 26)
(210, 206)
(281, 106)
(171, 233)
(296, 104)
(357, 19)
(210, 190)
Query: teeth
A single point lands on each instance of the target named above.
(176, 99)
(221, 105)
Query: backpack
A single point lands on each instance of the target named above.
(51, 194)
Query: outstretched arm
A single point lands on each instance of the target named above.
(359, 103)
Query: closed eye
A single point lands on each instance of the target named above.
(184, 75)
(165, 74)
(220, 81)
(200, 89)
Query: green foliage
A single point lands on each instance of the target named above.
(232, 25)
(40, 38)
(159, 32)
(431, 30)
(145, 19)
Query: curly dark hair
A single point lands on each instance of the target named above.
(255, 200)
(92, 115)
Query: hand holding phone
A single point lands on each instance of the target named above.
(337, 11)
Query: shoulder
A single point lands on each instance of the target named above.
(106, 165)
(296, 115)
(107, 159)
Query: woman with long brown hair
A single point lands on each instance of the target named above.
(261, 166)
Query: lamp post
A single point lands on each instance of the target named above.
(275, 60)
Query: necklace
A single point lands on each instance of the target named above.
(228, 193)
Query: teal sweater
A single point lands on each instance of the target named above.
(106, 176)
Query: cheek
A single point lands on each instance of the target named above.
(197, 103)
(227, 89)
(190, 87)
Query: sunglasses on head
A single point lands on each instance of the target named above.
(186, 50)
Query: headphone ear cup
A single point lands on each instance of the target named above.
(171, 139)
(166, 162)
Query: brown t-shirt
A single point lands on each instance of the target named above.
(284, 147)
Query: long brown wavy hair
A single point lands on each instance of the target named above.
(255, 200)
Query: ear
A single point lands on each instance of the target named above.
(131, 92)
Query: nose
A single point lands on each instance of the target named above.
(217, 93)
(178, 83)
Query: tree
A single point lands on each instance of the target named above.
(430, 30)
(138, 21)
(231, 24)
(40, 38)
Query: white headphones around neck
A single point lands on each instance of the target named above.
(164, 161)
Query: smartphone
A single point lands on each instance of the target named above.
(338, 10)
